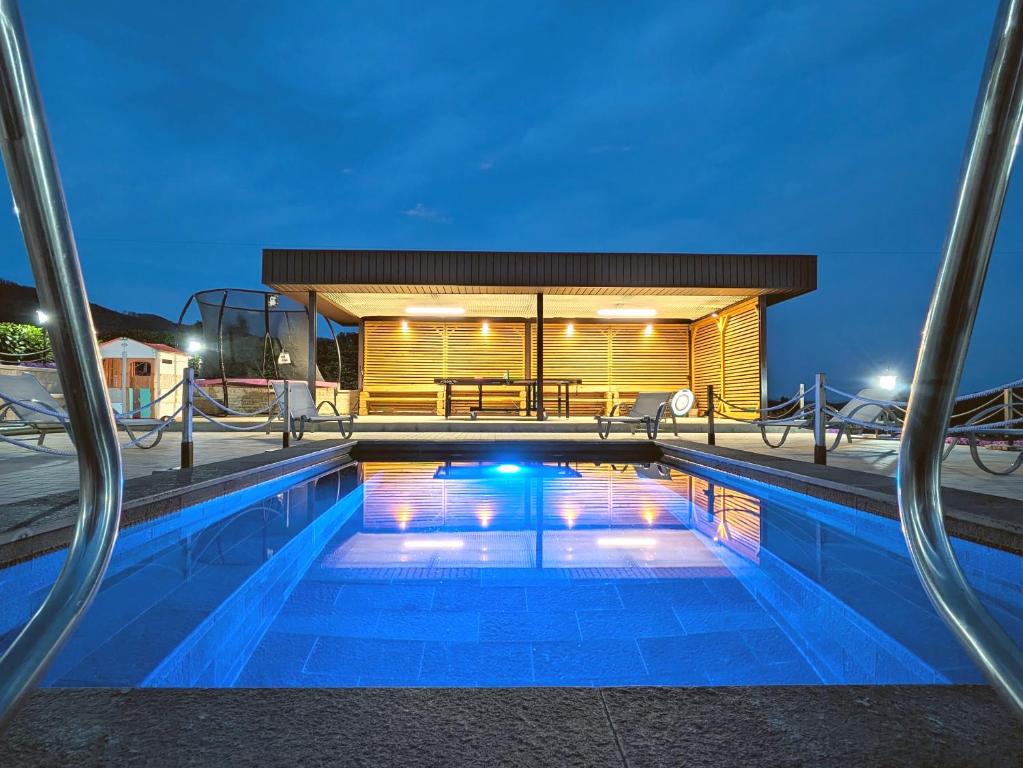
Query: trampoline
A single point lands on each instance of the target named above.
(253, 337)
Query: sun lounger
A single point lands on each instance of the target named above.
(647, 411)
(304, 411)
(27, 406)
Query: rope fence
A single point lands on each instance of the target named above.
(39, 419)
(999, 417)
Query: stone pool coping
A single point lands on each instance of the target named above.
(994, 521)
(36, 526)
(931, 726)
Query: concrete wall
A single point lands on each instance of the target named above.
(47, 376)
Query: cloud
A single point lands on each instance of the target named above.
(420, 211)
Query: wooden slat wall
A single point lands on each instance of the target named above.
(742, 359)
(395, 357)
(616, 360)
(471, 353)
(729, 360)
(706, 360)
(641, 363)
(612, 359)
(583, 355)
(399, 367)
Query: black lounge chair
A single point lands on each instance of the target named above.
(46, 415)
(304, 411)
(648, 410)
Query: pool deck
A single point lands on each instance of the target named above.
(764, 726)
(932, 726)
(27, 475)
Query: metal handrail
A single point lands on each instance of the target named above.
(949, 324)
(39, 197)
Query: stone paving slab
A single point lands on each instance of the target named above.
(930, 726)
(33, 526)
(881, 456)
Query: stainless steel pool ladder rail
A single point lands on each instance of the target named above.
(39, 200)
(949, 324)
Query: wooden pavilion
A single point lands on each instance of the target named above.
(613, 323)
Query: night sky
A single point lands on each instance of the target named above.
(190, 135)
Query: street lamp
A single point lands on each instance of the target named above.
(887, 380)
(41, 317)
(192, 346)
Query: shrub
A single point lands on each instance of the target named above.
(22, 342)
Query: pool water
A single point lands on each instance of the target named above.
(512, 574)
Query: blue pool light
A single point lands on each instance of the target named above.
(507, 470)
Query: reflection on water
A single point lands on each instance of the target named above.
(459, 573)
(537, 516)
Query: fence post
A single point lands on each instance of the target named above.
(187, 446)
(820, 433)
(1007, 414)
(711, 439)
(286, 414)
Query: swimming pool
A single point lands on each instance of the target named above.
(445, 573)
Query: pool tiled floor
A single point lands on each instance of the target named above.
(509, 627)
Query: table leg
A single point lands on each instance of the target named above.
(568, 409)
(479, 397)
(447, 400)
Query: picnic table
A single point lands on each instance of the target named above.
(529, 384)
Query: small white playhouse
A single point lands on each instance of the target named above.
(138, 372)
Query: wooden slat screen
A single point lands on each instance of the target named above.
(583, 355)
(738, 379)
(642, 363)
(706, 360)
(399, 366)
(611, 358)
(396, 357)
(742, 360)
(470, 352)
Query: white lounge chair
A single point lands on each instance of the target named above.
(863, 409)
(36, 411)
(647, 411)
(304, 411)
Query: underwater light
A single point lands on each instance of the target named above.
(508, 469)
(626, 542)
(433, 544)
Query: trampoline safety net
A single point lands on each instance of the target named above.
(252, 335)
